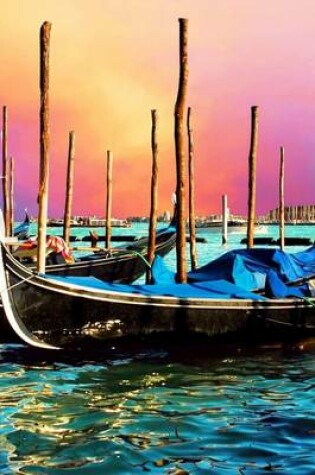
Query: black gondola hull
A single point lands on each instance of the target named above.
(67, 315)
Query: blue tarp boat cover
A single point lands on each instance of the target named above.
(269, 270)
(249, 268)
(275, 288)
(202, 290)
(235, 274)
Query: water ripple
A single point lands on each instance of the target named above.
(243, 414)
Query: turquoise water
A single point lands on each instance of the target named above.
(160, 410)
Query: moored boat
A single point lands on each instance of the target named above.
(217, 224)
(123, 265)
(87, 222)
(53, 311)
(233, 226)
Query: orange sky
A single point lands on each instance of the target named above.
(112, 61)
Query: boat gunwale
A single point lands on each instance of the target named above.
(50, 283)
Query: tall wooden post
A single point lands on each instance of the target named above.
(11, 220)
(69, 188)
(44, 144)
(224, 219)
(281, 198)
(191, 173)
(109, 199)
(252, 177)
(180, 151)
(6, 209)
(154, 194)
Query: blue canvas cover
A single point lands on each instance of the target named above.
(160, 273)
(276, 288)
(248, 268)
(305, 260)
(235, 274)
(202, 290)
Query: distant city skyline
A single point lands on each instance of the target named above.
(114, 61)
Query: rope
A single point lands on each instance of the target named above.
(147, 263)
(10, 287)
(308, 301)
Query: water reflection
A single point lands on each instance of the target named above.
(153, 412)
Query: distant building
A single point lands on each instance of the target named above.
(293, 214)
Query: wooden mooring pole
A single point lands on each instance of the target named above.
(224, 220)
(281, 198)
(192, 214)
(69, 188)
(252, 177)
(180, 151)
(109, 199)
(44, 145)
(5, 191)
(11, 220)
(154, 194)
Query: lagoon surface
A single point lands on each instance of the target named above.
(197, 409)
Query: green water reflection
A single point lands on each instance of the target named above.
(159, 413)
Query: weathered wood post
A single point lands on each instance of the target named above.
(5, 191)
(154, 193)
(281, 198)
(69, 188)
(109, 199)
(224, 219)
(191, 173)
(11, 220)
(180, 151)
(252, 177)
(44, 144)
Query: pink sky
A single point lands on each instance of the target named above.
(113, 61)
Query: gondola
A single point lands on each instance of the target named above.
(124, 265)
(67, 312)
